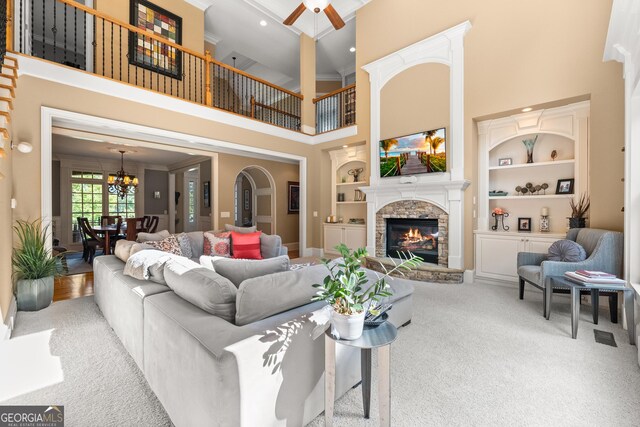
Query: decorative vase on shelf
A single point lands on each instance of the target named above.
(529, 144)
(577, 222)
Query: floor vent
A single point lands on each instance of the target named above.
(603, 337)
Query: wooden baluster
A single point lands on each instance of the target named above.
(208, 94)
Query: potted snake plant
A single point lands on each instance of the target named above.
(34, 267)
(350, 293)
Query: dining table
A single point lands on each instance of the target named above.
(106, 231)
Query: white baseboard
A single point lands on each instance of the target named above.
(469, 276)
(293, 246)
(317, 252)
(7, 326)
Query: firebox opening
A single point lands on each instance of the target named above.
(418, 236)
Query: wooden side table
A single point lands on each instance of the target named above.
(380, 338)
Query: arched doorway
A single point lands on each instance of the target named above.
(255, 199)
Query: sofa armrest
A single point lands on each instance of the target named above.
(530, 258)
(284, 250)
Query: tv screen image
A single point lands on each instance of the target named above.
(423, 152)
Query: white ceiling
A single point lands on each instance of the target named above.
(78, 147)
(273, 52)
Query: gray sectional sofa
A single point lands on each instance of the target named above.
(264, 369)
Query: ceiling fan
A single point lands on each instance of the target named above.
(316, 6)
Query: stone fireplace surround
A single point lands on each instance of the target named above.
(413, 209)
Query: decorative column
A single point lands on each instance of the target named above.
(308, 83)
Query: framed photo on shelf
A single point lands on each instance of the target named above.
(524, 224)
(151, 53)
(505, 161)
(293, 197)
(565, 186)
(206, 194)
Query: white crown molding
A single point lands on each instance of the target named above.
(75, 78)
(200, 4)
(212, 38)
(329, 77)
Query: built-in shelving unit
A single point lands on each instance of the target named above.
(561, 131)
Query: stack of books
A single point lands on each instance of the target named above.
(586, 277)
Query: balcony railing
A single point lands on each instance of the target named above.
(336, 110)
(77, 36)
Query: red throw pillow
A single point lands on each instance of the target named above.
(246, 246)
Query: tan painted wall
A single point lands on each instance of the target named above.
(308, 80)
(517, 54)
(32, 93)
(324, 87)
(230, 167)
(6, 231)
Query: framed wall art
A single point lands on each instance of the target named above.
(293, 197)
(149, 53)
(206, 194)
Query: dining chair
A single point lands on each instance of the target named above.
(91, 241)
(135, 226)
(145, 221)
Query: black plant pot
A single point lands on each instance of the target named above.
(577, 222)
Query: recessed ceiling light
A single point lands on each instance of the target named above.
(345, 146)
(526, 110)
(263, 23)
(352, 49)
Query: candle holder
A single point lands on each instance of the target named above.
(499, 218)
(544, 224)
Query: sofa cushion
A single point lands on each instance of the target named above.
(151, 237)
(265, 296)
(197, 243)
(202, 287)
(270, 245)
(239, 270)
(246, 245)
(566, 251)
(169, 245)
(148, 265)
(242, 230)
(217, 244)
(530, 273)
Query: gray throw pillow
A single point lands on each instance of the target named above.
(153, 237)
(270, 245)
(185, 245)
(263, 297)
(566, 251)
(123, 249)
(239, 270)
(202, 287)
(243, 230)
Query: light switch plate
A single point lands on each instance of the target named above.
(225, 215)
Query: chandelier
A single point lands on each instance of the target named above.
(121, 183)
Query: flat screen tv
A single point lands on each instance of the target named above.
(423, 152)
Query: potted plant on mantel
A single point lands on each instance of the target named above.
(579, 210)
(33, 266)
(347, 290)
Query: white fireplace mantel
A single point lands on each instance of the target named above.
(442, 189)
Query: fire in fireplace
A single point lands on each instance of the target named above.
(419, 236)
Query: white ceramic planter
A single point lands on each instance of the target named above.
(348, 327)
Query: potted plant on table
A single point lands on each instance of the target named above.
(348, 290)
(579, 210)
(34, 267)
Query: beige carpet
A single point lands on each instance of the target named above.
(473, 355)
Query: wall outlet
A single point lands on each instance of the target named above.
(315, 214)
(14, 203)
(225, 215)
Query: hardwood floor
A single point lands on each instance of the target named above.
(75, 286)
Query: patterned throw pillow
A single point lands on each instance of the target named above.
(246, 246)
(169, 245)
(185, 245)
(217, 244)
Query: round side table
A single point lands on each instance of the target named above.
(379, 338)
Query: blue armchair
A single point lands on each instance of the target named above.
(604, 253)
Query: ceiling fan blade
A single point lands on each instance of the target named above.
(295, 15)
(334, 17)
